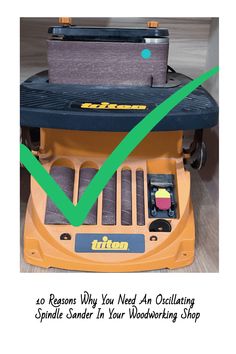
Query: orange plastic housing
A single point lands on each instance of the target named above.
(159, 152)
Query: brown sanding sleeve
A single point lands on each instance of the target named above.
(109, 202)
(106, 63)
(86, 174)
(126, 197)
(140, 197)
(64, 176)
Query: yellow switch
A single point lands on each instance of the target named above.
(162, 193)
(153, 24)
(65, 20)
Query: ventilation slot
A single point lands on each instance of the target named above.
(109, 202)
(86, 175)
(126, 198)
(140, 197)
(64, 176)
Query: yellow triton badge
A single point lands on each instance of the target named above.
(113, 243)
(109, 245)
(107, 105)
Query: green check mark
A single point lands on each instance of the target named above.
(76, 214)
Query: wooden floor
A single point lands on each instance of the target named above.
(188, 50)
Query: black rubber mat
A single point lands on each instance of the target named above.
(140, 197)
(64, 176)
(126, 197)
(109, 202)
(86, 174)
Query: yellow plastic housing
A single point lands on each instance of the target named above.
(158, 153)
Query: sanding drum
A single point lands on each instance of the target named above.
(106, 56)
(64, 176)
(86, 175)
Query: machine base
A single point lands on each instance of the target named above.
(50, 241)
(38, 252)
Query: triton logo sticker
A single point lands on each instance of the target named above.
(107, 105)
(114, 243)
(109, 245)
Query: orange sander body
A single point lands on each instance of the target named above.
(73, 117)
